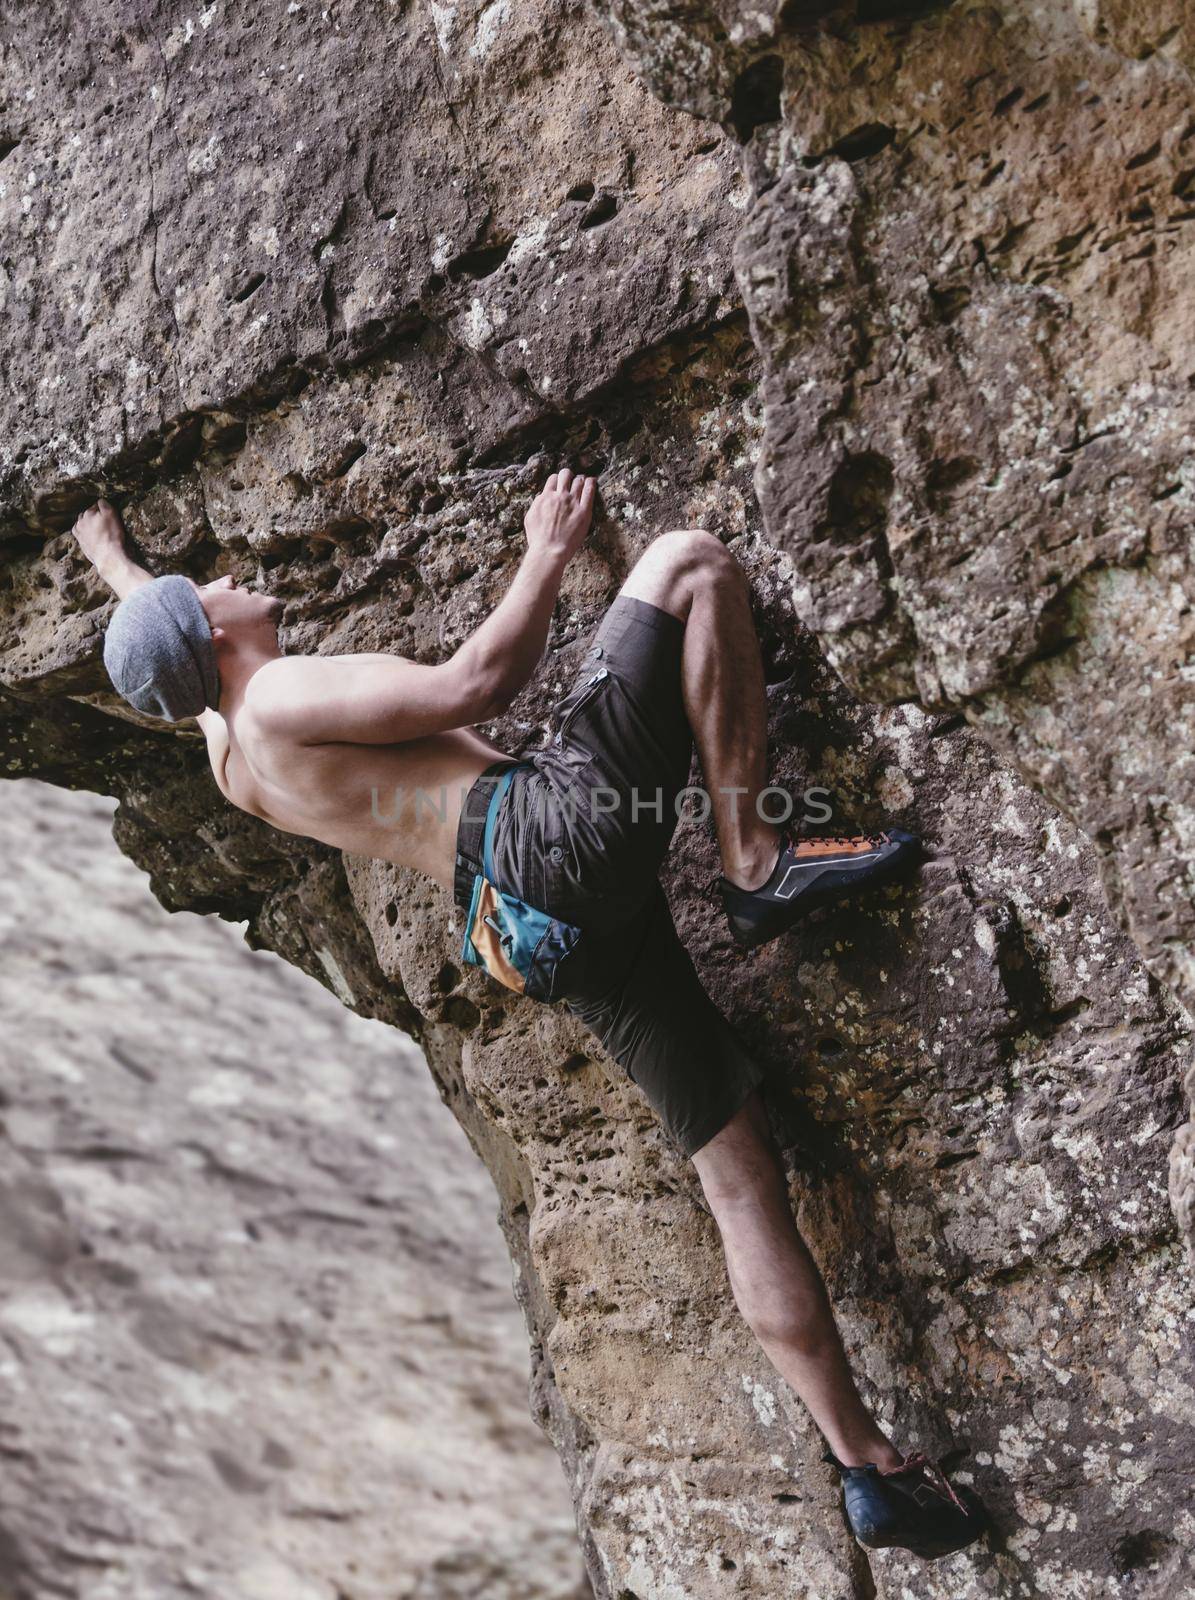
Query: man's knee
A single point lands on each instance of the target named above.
(786, 1323)
(677, 564)
(694, 550)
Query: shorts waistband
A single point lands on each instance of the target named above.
(470, 831)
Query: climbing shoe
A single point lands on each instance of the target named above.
(910, 1507)
(811, 873)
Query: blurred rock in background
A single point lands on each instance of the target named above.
(257, 1336)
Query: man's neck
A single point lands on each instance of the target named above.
(238, 667)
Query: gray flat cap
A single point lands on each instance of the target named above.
(159, 652)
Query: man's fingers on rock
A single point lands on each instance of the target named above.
(565, 476)
(551, 483)
(588, 492)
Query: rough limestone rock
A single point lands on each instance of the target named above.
(968, 267)
(895, 301)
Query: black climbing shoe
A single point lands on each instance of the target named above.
(811, 873)
(912, 1507)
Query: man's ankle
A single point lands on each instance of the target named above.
(878, 1451)
(753, 863)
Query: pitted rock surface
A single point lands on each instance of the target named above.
(905, 324)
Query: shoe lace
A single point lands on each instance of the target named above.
(932, 1472)
(837, 838)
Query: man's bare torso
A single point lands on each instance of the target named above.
(396, 802)
(370, 752)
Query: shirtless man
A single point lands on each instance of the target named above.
(380, 756)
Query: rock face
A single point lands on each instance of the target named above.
(968, 268)
(896, 304)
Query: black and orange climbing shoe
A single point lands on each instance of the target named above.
(814, 872)
(911, 1507)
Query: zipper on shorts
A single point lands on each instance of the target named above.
(591, 689)
(529, 805)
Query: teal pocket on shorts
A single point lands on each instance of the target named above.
(516, 943)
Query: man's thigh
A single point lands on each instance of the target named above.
(620, 753)
(646, 1004)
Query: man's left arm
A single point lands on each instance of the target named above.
(100, 535)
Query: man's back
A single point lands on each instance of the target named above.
(399, 802)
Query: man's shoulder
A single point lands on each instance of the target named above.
(272, 678)
(281, 703)
(274, 693)
(284, 691)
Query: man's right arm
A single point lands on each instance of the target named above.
(380, 699)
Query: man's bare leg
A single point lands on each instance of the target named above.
(775, 1280)
(777, 1286)
(694, 576)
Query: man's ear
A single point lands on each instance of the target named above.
(217, 631)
